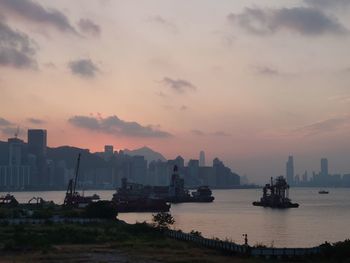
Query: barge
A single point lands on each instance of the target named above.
(276, 195)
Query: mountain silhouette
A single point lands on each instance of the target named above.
(149, 154)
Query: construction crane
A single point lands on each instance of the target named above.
(72, 195)
(73, 198)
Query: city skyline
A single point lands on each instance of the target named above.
(34, 155)
(34, 166)
(250, 89)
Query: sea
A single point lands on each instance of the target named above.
(319, 218)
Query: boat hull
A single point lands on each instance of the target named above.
(280, 206)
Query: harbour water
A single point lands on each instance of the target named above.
(319, 218)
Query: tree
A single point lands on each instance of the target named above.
(163, 220)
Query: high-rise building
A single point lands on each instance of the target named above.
(15, 151)
(108, 152)
(324, 167)
(37, 142)
(305, 179)
(290, 170)
(193, 173)
(201, 159)
(138, 169)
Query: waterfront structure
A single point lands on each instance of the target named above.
(201, 159)
(290, 170)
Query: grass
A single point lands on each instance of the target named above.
(113, 242)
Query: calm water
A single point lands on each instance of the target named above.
(319, 217)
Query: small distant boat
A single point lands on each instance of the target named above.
(323, 192)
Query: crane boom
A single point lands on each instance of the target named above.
(76, 173)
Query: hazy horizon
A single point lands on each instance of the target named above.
(250, 82)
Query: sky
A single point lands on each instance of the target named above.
(248, 81)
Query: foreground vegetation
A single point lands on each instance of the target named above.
(115, 240)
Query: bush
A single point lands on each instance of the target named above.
(338, 250)
(163, 220)
(101, 209)
(42, 214)
(196, 233)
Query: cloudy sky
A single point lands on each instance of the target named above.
(249, 81)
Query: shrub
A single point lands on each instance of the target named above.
(101, 209)
(163, 220)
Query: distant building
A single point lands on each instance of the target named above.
(244, 180)
(202, 159)
(15, 147)
(37, 142)
(108, 154)
(15, 175)
(305, 177)
(192, 177)
(138, 169)
(290, 170)
(37, 146)
(224, 176)
(324, 167)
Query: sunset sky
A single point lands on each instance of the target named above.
(248, 81)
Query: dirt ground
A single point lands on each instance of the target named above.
(114, 254)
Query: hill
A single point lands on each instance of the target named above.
(149, 154)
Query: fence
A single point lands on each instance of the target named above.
(20, 221)
(234, 248)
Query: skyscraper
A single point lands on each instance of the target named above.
(290, 170)
(324, 167)
(108, 152)
(37, 144)
(15, 151)
(201, 158)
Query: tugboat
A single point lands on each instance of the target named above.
(73, 198)
(275, 195)
(203, 194)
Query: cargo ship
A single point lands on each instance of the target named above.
(276, 195)
(178, 194)
(132, 197)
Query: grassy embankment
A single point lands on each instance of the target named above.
(116, 239)
(113, 241)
